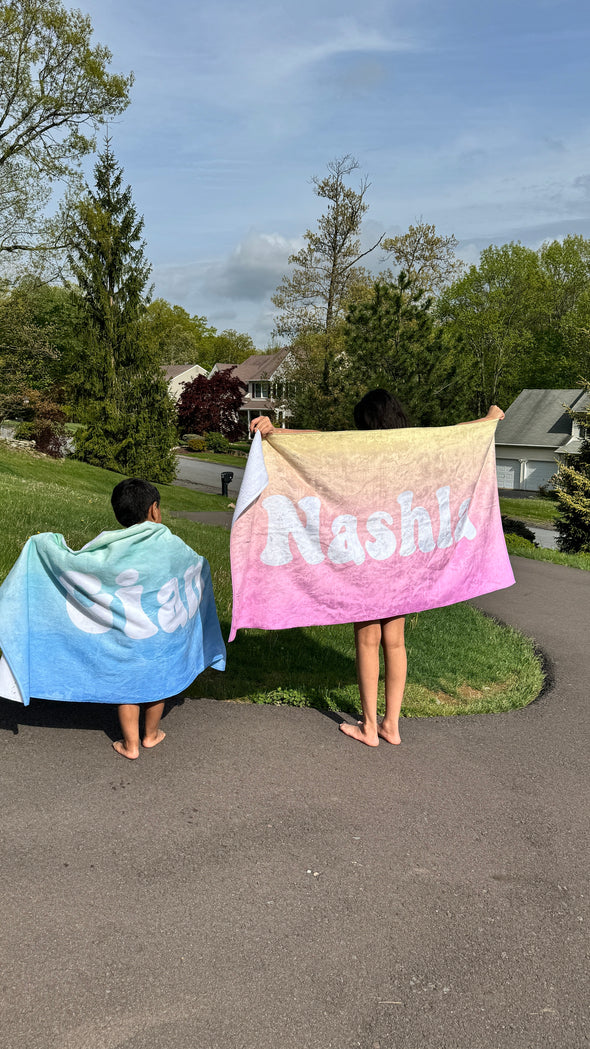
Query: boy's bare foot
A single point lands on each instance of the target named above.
(358, 732)
(153, 742)
(119, 746)
(389, 736)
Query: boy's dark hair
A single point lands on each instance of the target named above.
(131, 500)
(380, 410)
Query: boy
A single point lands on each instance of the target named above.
(134, 501)
(128, 619)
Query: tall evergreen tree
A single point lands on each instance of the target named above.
(117, 382)
(392, 341)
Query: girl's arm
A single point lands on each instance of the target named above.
(493, 413)
(262, 425)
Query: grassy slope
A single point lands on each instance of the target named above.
(540, 513)
(49, 495)
(459, 662)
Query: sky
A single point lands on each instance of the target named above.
(469, 115)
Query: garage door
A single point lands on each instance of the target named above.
(508, 473)
(537, 474)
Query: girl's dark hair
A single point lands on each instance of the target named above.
(131, 500)
(380, 410)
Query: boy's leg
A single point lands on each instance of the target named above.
(367, 638)
(396, 664)
(128, 747)
(152, 733)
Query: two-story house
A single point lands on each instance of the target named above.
(265, 377)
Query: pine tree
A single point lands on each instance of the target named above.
(391, 341)
(116, 381)
(572, 484)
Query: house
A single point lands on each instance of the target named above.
(534, 435)
(177, 375)
(265, 377)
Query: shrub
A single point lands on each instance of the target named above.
(25, 431)
(518, 542)
(512, 527)
(196, 444)
(50, 438)
(216, 442)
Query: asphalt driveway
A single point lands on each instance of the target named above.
(258, 881)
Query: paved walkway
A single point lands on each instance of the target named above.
(260, 882)
(219, 518)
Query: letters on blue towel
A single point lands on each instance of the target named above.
(130, 618)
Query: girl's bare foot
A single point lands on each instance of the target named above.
(149, 741)
(358, 732)
(119, 746)
(389, 735)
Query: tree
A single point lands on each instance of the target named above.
(118, 384)
(562, 335)
(321, 387)
(426, 257)
(314, 296)
(175, 336)
(491, 313)
(392, 341)
(37, 342)
(572, 484)
(55, 92)
(211, 405)
(232, 347)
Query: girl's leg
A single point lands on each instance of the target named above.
(367, 638)
(152, 733)
(394, 654)
(128, 747)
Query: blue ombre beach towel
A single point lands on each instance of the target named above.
(130, 618)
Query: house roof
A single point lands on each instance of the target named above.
(261, 365)
(537, 418)
(220, 366)
(172, 371)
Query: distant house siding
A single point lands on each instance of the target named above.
(524, 469)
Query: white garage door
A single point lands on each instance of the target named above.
(537, 474)
(508, 473)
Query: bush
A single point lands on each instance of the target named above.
(50, 438)
(512, 527)
(216, 442)
(518, 542)
(25, 431)
(196, 444)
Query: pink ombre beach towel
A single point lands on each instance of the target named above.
(346, 527)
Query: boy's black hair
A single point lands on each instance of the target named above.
(380, 410)
(131, 500)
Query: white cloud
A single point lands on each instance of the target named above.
(233, 291)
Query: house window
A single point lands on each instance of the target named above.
(260, 390)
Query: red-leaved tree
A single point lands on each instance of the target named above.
(211, 405)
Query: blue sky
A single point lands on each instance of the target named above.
(472, 116)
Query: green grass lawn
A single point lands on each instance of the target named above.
(554, 557)
(459, 661)
(61, 495)
(540, 513)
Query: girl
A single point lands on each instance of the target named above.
(378, 410)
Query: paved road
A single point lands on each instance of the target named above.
(193, 473)
(260, 882)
